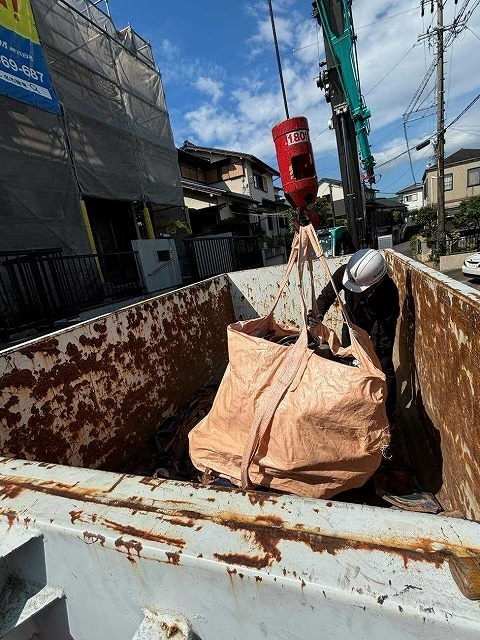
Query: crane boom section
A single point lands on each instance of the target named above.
(335, 17)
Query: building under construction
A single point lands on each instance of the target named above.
(105, 170)
(83, 180)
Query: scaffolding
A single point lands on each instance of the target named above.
(113, 139)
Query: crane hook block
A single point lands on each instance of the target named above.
(296, 164)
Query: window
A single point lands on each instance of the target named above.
(412, 197)
(473, 177)
(260, 182)
(448, 181)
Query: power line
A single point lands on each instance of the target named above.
(463, 112)
(392, 69)
(394, 15)
(456, 119)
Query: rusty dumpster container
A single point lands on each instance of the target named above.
(90, 548)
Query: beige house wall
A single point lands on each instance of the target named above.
(460, 190)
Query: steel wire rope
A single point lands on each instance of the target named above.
(312, 44)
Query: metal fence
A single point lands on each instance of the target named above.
(209, 257)
(39, 287)
(468, 241)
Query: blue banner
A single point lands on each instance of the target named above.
(23, 71)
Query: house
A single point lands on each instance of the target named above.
(382, 208)
(386, 223)
(412, 196)
(227, 190)
(332, 191)
(462, 178)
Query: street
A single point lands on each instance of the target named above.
(455, 274)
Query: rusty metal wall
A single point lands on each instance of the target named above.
(254, 291)
(438, 357)
(93, 394)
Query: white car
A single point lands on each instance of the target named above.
(471, 265)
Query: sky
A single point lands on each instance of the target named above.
(220, 75)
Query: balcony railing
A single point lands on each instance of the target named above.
(39, 287)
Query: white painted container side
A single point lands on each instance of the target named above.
(109, 550)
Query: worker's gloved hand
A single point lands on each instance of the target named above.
(313, 320)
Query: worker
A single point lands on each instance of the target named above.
(371, 300)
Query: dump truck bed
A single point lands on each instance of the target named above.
(90, 551)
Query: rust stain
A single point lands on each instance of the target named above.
(438, 353)
(75, 515)
(94, 537)
(253, 562)
(12, 517)
(10, 491)
(144, 535)
(115, 484)
(261, 498)
(267, 531)
(100, 390)
(173, 558)
(136, 545)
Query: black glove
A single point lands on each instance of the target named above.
(312, 320)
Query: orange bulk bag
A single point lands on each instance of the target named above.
(288, 419)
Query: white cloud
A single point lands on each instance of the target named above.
(236, 108)
(211, 87)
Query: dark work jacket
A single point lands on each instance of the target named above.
(376, 314)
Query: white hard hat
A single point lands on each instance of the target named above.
(364, 269)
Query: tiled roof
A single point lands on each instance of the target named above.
(418, 186)
(205, 188)
(189, 147)
(463, 155)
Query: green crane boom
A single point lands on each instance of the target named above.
(342, 49)
(350, 116)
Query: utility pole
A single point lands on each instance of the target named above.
(440, 146)
(334, 221)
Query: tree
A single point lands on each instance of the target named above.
(397, 217)
(322, 208)
(467, 215)
(427, 220)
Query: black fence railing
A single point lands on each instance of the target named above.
(469, 240)
(209, 257)
(39, 287)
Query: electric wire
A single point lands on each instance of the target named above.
(458, 25)
(392, 69)
(394, 15)
(456, 119)
(450, 69)
(409, 154)
(462, 113)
